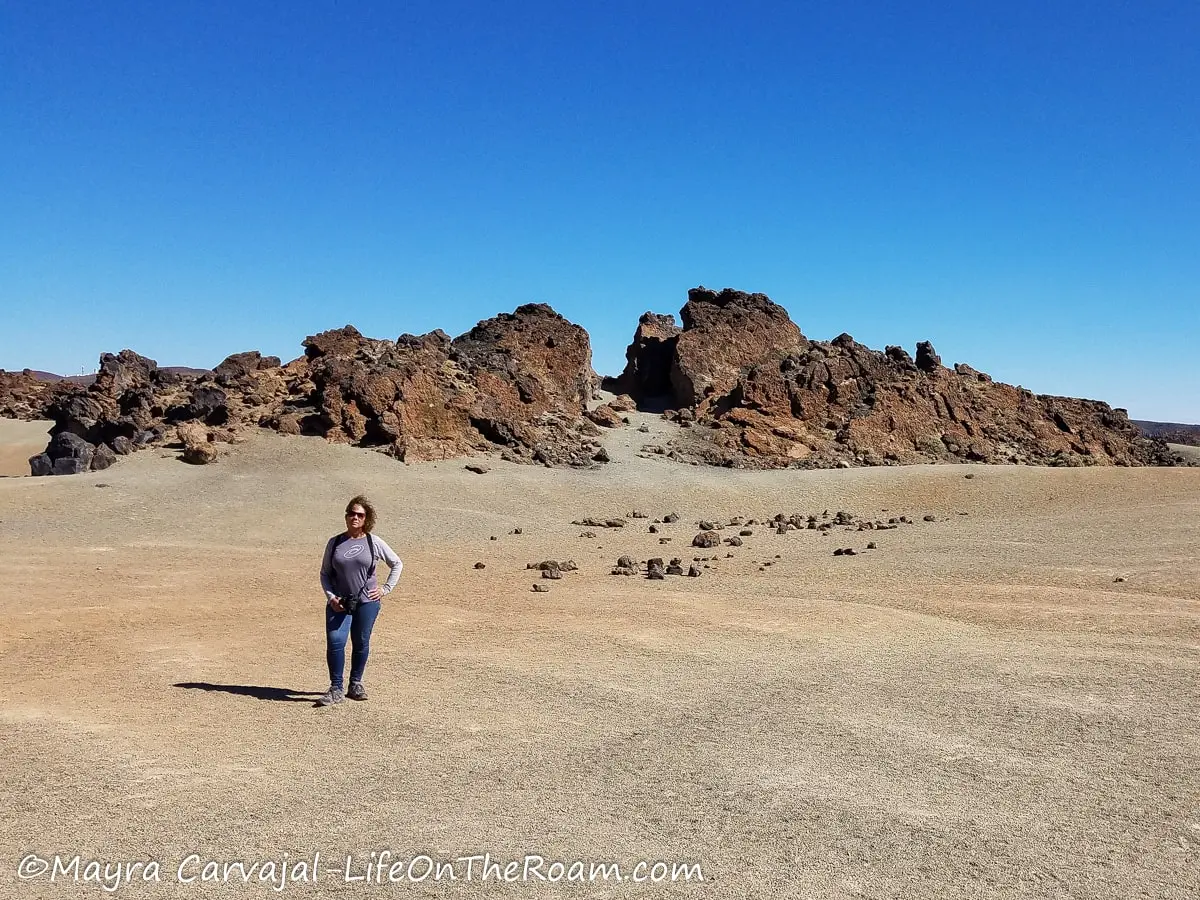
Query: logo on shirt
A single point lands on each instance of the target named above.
(352, 552)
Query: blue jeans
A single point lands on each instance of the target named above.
(339, 626)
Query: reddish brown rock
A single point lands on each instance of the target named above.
(605, 416)
(723, 333)
(199, 448)
(773, 398)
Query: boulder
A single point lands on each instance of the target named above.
(240, 366)
(69, 454)
(198, 447)
(103, 457)
(927, 359)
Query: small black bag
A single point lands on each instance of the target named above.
(351, 604)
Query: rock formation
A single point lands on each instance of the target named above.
(774, 398)
(746, 386)
(518, 382)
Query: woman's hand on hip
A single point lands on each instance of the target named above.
(375, 593)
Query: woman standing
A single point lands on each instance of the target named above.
(353, 595)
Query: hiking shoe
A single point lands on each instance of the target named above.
(331, 696)
(357, 691)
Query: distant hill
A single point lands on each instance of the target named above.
(1171, 432)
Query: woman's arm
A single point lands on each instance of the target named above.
(328, 579)
(388, 555)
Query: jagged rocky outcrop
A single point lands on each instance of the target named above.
(648, 359)
(775, 398)
(24, 395)
(517, 383)
(761, 393)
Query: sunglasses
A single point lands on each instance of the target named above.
(356, 515)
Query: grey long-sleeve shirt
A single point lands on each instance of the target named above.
(344, 571)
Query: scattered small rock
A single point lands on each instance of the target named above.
(655, 569)
(653, 529)
(480, 565)
(733, 541)
(706, 525)
(585, 534)
(477, 468)
(1118, 580)
(872, 546)
(601, 456)
(614, 523)
(671, 517)
(541, 588)
(554, 573)
(969, 475)
(929, 518)
(516, 531)
(568, 565)
(693, 571)
(706, 539)
(746, 532)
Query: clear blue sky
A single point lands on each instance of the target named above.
(1018, 182)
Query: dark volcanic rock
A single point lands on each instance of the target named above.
(240, 366)
(69, 454)
(927, 359)
(648, 359)
(103, 457)
(41, 464)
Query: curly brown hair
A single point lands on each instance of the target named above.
(362, 501)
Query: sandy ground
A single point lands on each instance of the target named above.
(18, 442)
(975, 709)
(1188, 452)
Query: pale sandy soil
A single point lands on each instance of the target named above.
(18, 442)
(1188, 452)
(975, 709)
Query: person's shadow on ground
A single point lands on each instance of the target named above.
(286, 695)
